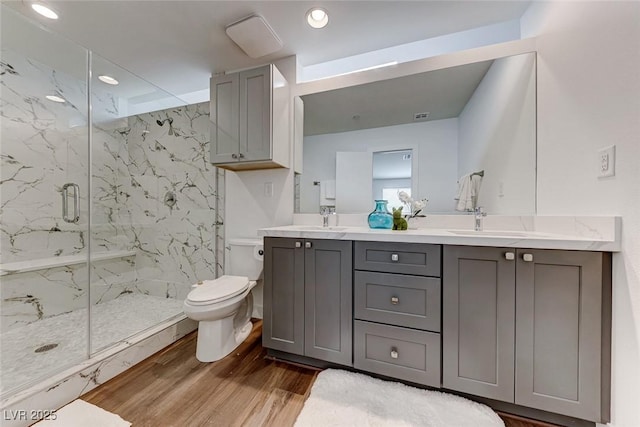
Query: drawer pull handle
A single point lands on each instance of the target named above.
(394, 353)
(307, 245)
(527, 257)
(509, 256)
(298, 244)
(395, 300)
(394, 257)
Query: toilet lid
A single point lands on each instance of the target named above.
(222, 288)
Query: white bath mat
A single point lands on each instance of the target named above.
(341, 398)
(82, 414)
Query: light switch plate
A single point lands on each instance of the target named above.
(607, 161)
(268, 189)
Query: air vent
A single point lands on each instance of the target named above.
(255, 36)
(420, 116)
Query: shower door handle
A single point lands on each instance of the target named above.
(76, 203)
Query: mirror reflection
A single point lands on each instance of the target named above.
(465, 134)
(391, 175)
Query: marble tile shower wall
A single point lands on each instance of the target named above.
(165, 198)
(136, 161)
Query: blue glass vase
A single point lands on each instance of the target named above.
(380, 217)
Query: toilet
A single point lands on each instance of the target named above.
(223, 306)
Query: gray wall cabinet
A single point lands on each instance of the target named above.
(530, 327)
(249, 113)
(308, 298)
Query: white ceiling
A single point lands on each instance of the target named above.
(177, 45)
(441, 93)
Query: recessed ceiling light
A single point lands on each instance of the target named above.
(317, 17)
(55, 98)
(108, 80)
(44, 11)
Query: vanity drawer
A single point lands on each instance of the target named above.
(411, 301)
(397, 352)
(419, 259)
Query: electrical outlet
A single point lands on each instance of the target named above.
(607, 162)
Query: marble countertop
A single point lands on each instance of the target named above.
(467, 237)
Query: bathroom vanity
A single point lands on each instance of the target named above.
(520, 319)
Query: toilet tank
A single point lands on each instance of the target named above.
(245, 258)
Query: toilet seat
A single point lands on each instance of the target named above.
(220, 289)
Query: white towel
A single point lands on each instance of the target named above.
(328, 193)
(468, 190)
(328, 189)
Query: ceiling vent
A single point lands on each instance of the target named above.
(420, 116)
(254, 36)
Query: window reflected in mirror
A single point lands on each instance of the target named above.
(391, 174)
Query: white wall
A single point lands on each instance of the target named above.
(588, 98)
(247, 208)
(501, 140)
(434, 147)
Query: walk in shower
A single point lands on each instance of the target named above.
(108, 204)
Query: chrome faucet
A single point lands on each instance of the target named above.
(325, 211)
(479, 214)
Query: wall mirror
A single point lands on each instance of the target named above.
(444, 126)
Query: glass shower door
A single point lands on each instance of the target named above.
(44, 203)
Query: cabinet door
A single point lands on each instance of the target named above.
(283, 324)
(224, 118)
(255, 114)
(478, 321)
(328, 301)
(558, 335)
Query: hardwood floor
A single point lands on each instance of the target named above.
(172, 388)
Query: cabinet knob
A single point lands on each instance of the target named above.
(394, 353)
(527, 257)
(307, 245)
(510, 256)
(394, 257)
(241, 156)
(395, 300)
(234, 156)
(298, 244)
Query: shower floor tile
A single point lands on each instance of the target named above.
(112, 322)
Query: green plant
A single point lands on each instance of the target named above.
(399, 223)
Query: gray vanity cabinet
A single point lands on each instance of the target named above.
(530, 327)
(328, 300)
(563, 347)
(283, 323)
(397, 310)
(478, 334)
(308, 298)
(249, 119)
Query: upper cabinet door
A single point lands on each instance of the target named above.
(225, 137)
(255, 114)
(563, 303)
(478, 321)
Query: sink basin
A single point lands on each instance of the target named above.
(319, 228)
(489, 233)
